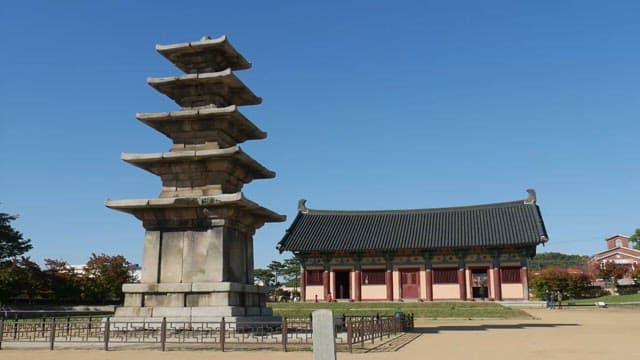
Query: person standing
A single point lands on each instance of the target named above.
(547, 300)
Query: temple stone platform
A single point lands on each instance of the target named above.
(195, 302)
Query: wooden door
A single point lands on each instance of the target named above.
(410, 284)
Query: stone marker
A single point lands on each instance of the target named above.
(324, 335)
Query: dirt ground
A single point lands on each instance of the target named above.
(557, 334)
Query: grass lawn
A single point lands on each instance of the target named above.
(609, 299)
(466, 310)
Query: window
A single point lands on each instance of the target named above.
(314, 277)
(511, 276)
(373, 277)
(445, 276)
(618, 243)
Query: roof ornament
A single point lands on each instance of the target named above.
(302, 206)
(531, 200)
(205, 37)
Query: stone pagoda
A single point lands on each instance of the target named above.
(198, 243)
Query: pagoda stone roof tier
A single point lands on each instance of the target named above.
(220, 89)
(197, 212)
(224, 126)
(229, 167)
(205, 55)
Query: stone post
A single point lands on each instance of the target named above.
(324, 335)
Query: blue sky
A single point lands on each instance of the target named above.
(368, 105)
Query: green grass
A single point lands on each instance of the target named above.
(609, 299)
(466, 310)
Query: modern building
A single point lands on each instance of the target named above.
(618, 252)
(455, 253)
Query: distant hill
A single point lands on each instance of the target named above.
(554, 259)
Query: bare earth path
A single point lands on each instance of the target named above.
(559, 334)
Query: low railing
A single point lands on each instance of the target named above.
(288, 334)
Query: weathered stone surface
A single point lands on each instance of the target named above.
(133, 312)
(324, 335)
(203, 311)
(133, 300)
(174, 287)
(151, 257)
(204, 55)
(161, 311)
(171, 257)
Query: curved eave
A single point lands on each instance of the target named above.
(157, 120)
(168, 86)
(498, 225)
(202, 48)
(147, 161)
(223, 200)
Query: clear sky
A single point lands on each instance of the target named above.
(368, 105)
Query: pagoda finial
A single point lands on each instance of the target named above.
(532, 197)
(302, 206)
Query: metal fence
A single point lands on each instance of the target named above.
(288, 334)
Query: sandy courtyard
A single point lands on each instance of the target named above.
(559, 334)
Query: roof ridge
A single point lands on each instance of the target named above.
(404, 211)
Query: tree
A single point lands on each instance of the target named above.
(291, 272)
(264, 276)
(557, 260)
(276, 268)
(12, 244)
(635, 239)
(22, 281)
(103, 278)
(64, 282)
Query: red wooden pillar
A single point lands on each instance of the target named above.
(524, 277)
(429, 284)
(325, 283)
(388, 280)
(357, 292)
(303, 285)
(462, 284)
(497, 284)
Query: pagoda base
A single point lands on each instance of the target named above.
(194, 302)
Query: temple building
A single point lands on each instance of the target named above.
(474, 252)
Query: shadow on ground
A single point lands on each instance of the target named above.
(437, 329)
(403, 340)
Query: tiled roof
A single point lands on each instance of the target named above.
(516, 223)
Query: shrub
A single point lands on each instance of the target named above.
(576, 286)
